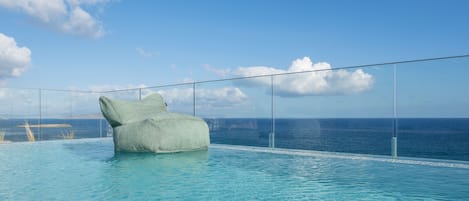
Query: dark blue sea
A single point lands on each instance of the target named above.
(439, 138)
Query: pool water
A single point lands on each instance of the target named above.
(89, 170)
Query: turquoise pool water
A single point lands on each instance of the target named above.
(89, 170)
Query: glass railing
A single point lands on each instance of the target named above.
(433, 109)
(335, 110)
(19, 107)
(179, 97)
(70, 115)
(413, 108)
(237, 111)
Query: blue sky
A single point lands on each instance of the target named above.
(106, 44)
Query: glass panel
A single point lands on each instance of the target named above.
(18, 107)
(179, 98)
(70, 115)
(335, 110)
(238, 112)
(433, 109)
(129, 94)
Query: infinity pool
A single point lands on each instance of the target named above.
(89, 170)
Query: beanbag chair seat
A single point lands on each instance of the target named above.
(147, 126)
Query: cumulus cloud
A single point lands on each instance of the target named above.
(227, 96)
(109, 87)
(217, 97)
(14, 60)
(126, 92)
(185, 80)
(80, 22)
(83, 103)
(44, 10)
(321, 81)
(86, 2)
(220, 72)
(67, 16)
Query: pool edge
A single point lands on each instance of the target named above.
(350, 156)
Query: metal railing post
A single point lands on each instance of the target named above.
(139, 93)
(100, 128)
(40, 115)
(395, 122)
(193, 97)
(272, 109)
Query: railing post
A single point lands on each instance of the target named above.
(139, 93)
(71, 104)
(100, 127)
(395, 122)
(193, 97)
(272, 141)
(40, 115)
(394, 147)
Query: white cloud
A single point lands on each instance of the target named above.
(14, 60)
(128, 92)
(44, 10)
(80, 22)
(227, 96)
(182, 95)
(218, 97)
(79, 103)
(256, 71)
(145, 53)
(323, 81)
(86, 2)
(110, 87)
(186, 81)
(175, 96)
(220, 72)
(67, 16)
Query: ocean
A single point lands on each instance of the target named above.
(439, 138)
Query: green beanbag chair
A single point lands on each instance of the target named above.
(147, 126)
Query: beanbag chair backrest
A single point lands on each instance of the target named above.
(119, 112)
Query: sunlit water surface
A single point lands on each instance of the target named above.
(89, 170)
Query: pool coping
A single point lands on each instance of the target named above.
(350, 156)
